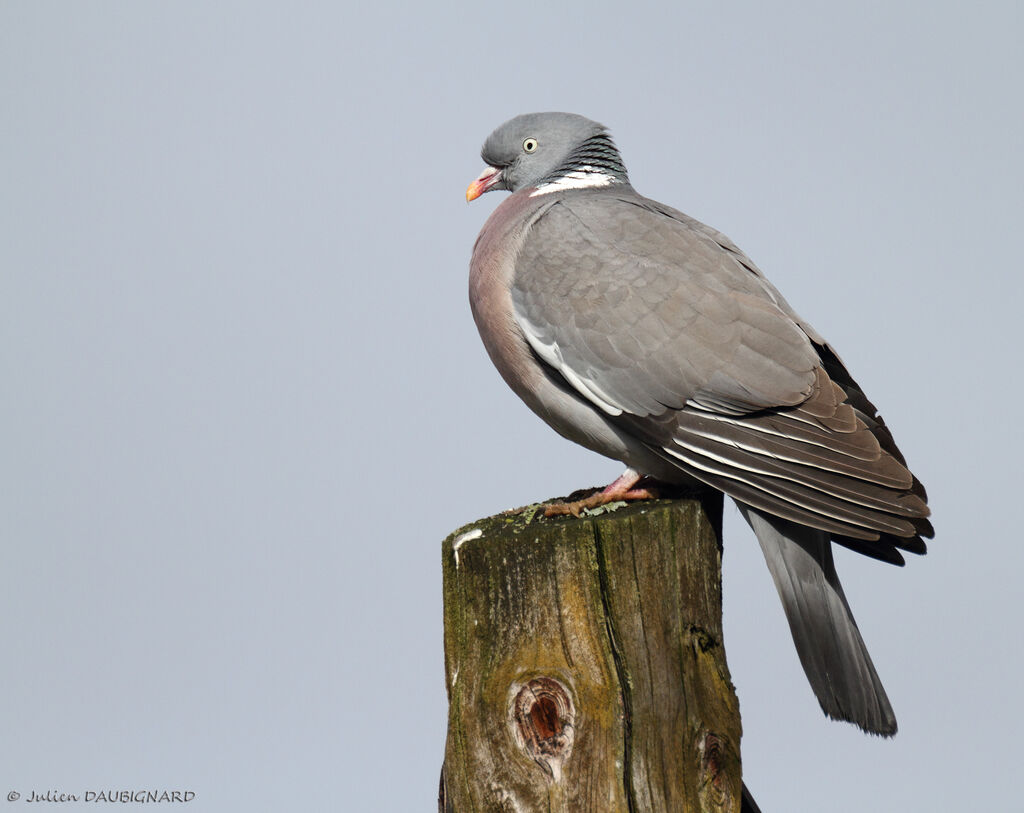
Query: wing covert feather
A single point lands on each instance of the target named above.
(643, 313)
(667, 328)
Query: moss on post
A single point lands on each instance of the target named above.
(585, 666)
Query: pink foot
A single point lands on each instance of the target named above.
(622, 489)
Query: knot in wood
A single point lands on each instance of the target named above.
(542, 719)
(712, 764)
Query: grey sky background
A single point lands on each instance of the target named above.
(243, 398)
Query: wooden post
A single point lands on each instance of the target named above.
(585, 665)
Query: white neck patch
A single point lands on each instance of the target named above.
(582, 178)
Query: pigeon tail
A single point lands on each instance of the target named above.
(830, 646)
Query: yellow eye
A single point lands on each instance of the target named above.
(530, 145)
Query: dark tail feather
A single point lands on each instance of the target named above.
(831, 649)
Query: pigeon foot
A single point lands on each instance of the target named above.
(624, 488)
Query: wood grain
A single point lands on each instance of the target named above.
(585, 666)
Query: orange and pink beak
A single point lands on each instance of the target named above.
(485, 182)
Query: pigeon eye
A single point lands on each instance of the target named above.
(530, 145)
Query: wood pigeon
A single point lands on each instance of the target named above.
(646, 336)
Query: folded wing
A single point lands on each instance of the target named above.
(667, 329)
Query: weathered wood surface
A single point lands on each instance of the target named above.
(585, 665)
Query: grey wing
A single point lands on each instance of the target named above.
(665, 327)
(641, 313)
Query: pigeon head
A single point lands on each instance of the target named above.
(548, 152)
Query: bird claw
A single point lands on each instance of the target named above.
(598, 498)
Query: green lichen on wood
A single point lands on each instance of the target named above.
(624, 610)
